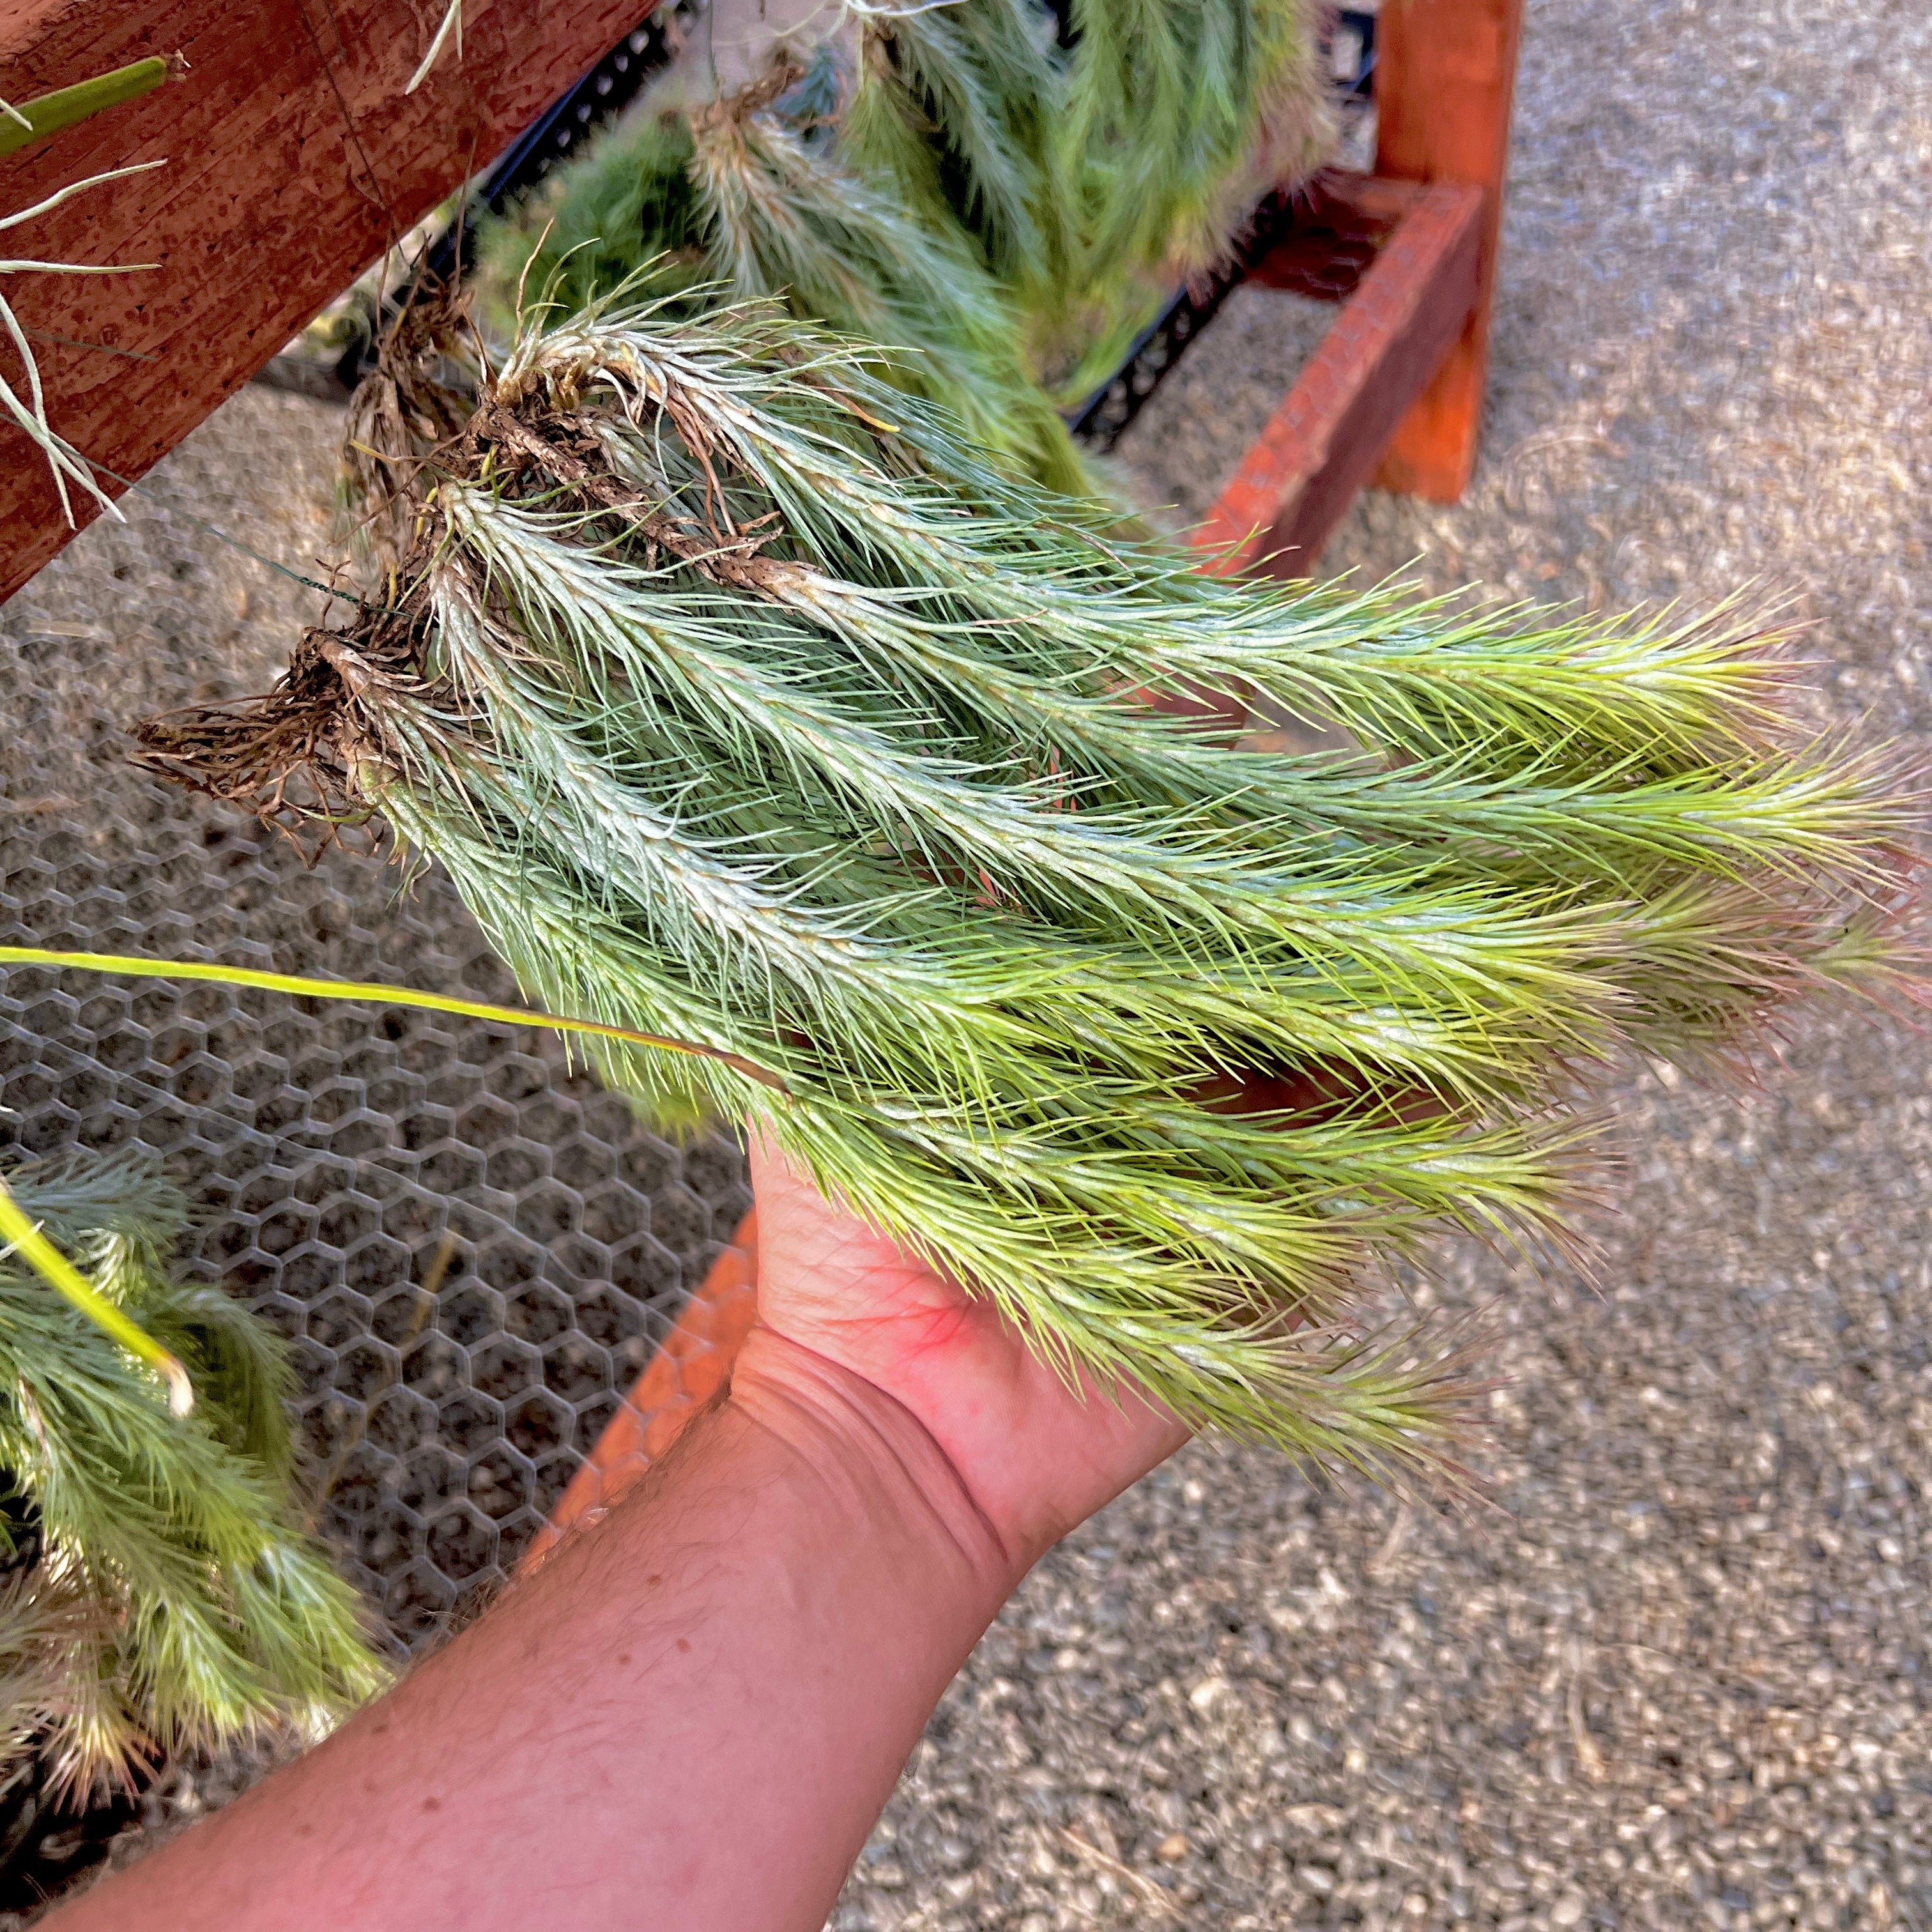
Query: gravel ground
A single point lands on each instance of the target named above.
(1677, 1674)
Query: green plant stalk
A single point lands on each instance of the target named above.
(50, 113)
(134, 966)
(176, 1602)
(25, 1239)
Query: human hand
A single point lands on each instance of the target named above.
(1035, 1457)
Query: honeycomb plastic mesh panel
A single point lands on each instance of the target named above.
(339, 1157)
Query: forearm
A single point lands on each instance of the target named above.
(690, 1717)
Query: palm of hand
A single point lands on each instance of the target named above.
(1036, 1457)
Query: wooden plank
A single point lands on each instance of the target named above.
(294, 159)
(1322, 445)
(693, 1365)
(1445, 76)
(1341, 221)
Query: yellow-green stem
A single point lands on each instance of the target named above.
(24, 1238)
(33, 120)
(136, 967)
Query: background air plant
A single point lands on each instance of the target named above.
(745, 699)
(168, 1599)
(1090, 178)
(947, 180)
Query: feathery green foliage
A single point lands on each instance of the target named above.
(1093, 179)
(742, 202)
(1178, 118)
(745, 699)
(22, 1235)
(1179, 111)
(174, 1601)
(631, 192)
(781, 218)
(960, 111)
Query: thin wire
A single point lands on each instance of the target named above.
(99, 348)
(235, 543)
(380, 197)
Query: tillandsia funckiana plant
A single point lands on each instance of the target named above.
(160, 1594)
(947, 179)
(743, 698)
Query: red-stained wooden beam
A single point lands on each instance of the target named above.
(1322, 445)
(1445, 76)
(1342, 222)
(294, 159)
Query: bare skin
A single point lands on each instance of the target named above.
(689, 1719)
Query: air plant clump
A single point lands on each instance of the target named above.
(946, 180)
(745, 699)
(1092, 178)
(161, 1594)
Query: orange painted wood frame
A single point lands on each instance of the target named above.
(294, 159)
(1445, 82)
(1394, 393)
(1322, 445)
(685, 1374)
